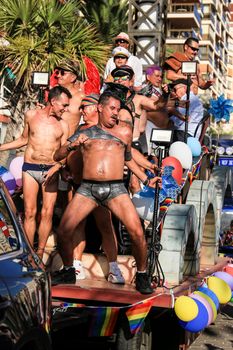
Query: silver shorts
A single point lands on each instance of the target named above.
(101, 191)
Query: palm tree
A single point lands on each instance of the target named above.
(109, 16)
(42, 32)
(37, 35)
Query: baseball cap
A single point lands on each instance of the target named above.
(120, 51)
(70, 66)
(90, 100)
(122, 71)
(122, 36)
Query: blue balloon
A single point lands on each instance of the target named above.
(199, 322)
(194, 145)
(210, 294)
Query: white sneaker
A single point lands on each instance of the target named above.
(115, 276)
(79, 270)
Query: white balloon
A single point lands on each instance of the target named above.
(144, 206)
(182, 152)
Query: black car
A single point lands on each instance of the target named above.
(25, 299)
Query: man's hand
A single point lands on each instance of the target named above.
(154, 180)
(51, 174)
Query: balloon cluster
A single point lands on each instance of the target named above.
(180, 157)
(199, 309)
(12, 177)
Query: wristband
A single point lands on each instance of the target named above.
(146, 182)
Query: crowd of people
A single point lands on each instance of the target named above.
(78, 148)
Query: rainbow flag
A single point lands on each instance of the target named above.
(136, 315)
(103, 321)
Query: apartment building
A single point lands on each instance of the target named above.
(209, 21)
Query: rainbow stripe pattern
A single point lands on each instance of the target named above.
(137, 314)
(103, 321)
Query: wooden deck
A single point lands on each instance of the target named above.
(97, 291)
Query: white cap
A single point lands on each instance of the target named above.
(123, 36)
(121, 51)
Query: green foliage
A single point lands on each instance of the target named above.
(41, 33)
(109, 16)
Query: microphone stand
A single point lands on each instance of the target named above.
(189, 82)
(155, 247)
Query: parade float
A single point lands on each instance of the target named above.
(182, 225)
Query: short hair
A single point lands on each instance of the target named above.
(56, 92)
(150, 70)
(190, 40)
(105, 96)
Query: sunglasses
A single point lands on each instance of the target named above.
(121, 41)
(126, 77)
(195, 49)
(116, 57)
(61, 71)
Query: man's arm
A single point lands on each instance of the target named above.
(22, 140)
(172, 75)
(142, 161)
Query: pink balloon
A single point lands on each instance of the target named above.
(207, 306)
(16, 169)
(225, 277)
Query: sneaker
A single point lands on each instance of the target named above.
(63, 276)
(79, 270)
(115, 276)
(143, 284)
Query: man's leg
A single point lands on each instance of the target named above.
(79, 244)
(73, 215)
(124, 209)
(103, 219)
(49, 196)
(30, 192)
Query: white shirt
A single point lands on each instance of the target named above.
(133, 62)
(196, 112)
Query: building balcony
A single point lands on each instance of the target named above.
(184, 16)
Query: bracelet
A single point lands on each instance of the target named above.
(146, 182)
(70, 148)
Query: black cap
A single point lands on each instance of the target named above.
(122, 71)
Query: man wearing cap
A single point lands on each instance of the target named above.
(68, 76)
(196, 111)
(138, 104)
(123, 40)
(120, 58)
(44, 132)
(102, 184)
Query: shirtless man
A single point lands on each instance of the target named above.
(101, 214)
(68, 75)
(102, 184)
(44, 132)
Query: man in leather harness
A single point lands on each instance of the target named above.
(104, 156)
(44, 132)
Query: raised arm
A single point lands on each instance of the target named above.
(22, 140)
